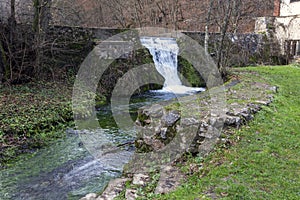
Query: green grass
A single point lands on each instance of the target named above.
(30, 115)
(264, 162)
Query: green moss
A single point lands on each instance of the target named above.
(100, 100)
(142, 147)
(142, 118)
(188, 73)
(173, 106)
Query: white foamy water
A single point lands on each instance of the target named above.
(164, 52)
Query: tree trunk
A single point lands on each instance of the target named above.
(42, 17)
(2, 63)
(236, 14)
(224, 29)
(12, 21)
(206, 39)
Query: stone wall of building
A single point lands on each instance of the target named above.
(285, 28)
(288, 27)
(290, 7)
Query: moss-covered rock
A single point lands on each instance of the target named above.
(159, 125)
(118, 69)
(188, 74)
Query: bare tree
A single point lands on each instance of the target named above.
(42, 17)
(4, 68)
(226, 18)
(211, 2)
(171, 11)
(12, 20)
(118, 9)
(7, 39)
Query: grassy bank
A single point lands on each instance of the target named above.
(260, 160)
(30, 116)
(263, 161)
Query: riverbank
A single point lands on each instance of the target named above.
(258, 161)
(30, 116)
(262, 160)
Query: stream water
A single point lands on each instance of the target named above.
(66, 170)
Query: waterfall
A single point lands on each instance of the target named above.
(164, 52)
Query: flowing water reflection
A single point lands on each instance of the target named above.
(66, 170)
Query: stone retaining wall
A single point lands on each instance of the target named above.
(159, 124)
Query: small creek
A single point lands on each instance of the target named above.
(66, 170)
